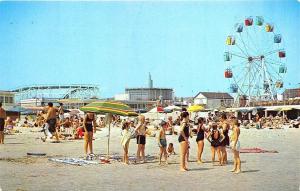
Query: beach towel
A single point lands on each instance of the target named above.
(256, 150)
(73, 161)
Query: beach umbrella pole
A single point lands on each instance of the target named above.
(108, 140)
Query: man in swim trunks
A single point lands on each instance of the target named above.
(2, 123)
(141, 138)
(51, 120)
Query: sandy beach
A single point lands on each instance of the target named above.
(261, 171)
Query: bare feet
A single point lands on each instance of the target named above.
(237, 171)
(232, 170)
(183, 170)
(166, 162)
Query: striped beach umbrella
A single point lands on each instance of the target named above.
(110, 108)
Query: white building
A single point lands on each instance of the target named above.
(213, 100)
(7, 98)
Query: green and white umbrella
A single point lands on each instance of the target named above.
(110, 108)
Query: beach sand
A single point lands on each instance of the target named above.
(261, 171)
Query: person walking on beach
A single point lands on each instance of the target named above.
(184, 140)
(141, 138)
(125, 141)
(89, 126)
(162, 141)
(235, 144)
(2, 123)
(225, 142)
(51, 120)
(200, 139)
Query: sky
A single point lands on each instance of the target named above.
(116, 44)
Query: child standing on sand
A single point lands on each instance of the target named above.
(125, 141)
(235, 145)
(162, 141)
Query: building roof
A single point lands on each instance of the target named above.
(215, 95)
(128, 89)
(291, 93)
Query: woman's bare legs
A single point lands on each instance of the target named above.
(200, 151)
(183, 149)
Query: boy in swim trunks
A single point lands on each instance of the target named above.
(162, 141)
(235, 144)
(2, 123)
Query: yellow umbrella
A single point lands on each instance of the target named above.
(286, 109)
(195, 108)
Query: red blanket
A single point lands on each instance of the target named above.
(256, 150)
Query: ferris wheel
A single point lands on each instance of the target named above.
(255, 60)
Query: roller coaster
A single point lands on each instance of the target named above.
(79, 91)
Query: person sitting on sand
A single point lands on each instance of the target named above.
(170, 149)
(9, 125)
(162, 141)
(141, 138)
(89, 126)
(184, 140)
(235, 145)
(126, 134)
(67, 126)
(2, 123)
(170, 126)
(214, 136)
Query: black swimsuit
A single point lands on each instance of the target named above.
(226, 141)
(186, 131)
(89, 124)
(215, 141)
(200, 134)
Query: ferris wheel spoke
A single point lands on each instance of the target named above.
(271, 52)
(274, 70)
(251, 41)
(238, 55)
(242, 40)
(270, 61)
(245, 53)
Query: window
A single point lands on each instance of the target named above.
(1, 99)
(6, 99)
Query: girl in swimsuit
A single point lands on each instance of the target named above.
(125, 141)
(215, 143)
(184, 140)
(162, 141)
(235, 144)
(89, 123)
(200, 139)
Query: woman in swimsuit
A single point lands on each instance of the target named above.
(235, 144)
(200, 139)
(225, 142)
(89, 123)
(162, 141)
(184, 140)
